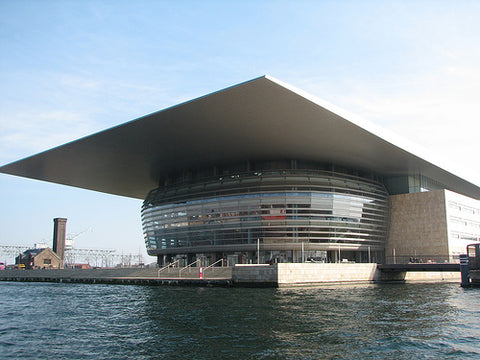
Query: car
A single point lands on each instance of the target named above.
(15, 267)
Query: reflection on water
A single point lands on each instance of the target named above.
(402, 321)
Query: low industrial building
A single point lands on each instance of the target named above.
(42, 258)
(262, 172)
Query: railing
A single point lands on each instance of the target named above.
(186, 267)
(181, 271)
(422, 259)
(167, 266)
(212, 265)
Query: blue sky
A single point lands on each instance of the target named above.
(71, 68)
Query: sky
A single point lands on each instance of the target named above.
(72, 68)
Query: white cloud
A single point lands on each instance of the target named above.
(439, 111)
(26, 133)
(71, 106)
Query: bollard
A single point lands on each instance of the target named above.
(200, 273)
(464, 270)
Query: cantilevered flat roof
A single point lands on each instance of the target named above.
(259, 119)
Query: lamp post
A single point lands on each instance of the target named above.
(258, 251)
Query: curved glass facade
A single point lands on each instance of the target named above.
(281, 211)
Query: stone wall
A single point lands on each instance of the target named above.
(282, 274)
(433, 276)
(418, 225)
(301, 274)
(289, 274)
(311, 273)
(255, 274)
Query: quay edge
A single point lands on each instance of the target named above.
(277, 275)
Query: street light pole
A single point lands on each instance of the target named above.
(258, 251)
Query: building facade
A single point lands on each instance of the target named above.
(262, 172)
(43, 258)
(432, 226)
(289, 210)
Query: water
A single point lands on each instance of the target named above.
(395, 321)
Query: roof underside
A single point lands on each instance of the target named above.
(259, 119)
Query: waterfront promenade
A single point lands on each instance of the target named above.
(172, 276)
(277, 275)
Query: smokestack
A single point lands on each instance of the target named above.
(59, 231)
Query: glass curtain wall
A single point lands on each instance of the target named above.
(314, 212)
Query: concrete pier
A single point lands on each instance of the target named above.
(146, 276)
(277, 275)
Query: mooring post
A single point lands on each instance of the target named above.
(464, 270)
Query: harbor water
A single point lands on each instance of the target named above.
(374, 321)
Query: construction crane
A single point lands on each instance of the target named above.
(69, 240)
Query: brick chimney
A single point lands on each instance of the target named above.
(59, 231)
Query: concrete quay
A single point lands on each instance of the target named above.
(142, 276)
(277, 275)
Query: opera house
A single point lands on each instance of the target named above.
(262, 172)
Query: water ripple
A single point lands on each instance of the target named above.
(401, 321)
